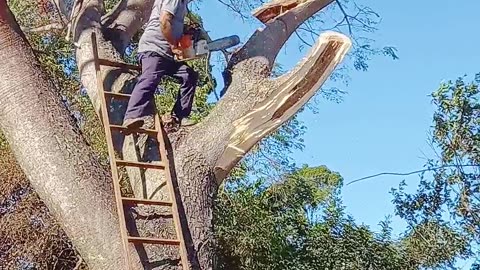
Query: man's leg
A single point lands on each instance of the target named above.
(140, 105)
(189, 79)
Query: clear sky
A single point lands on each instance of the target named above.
(383, 122)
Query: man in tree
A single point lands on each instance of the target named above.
(157, 47)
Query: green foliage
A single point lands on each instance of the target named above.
(450, 194)
(257, 225)
(169, 89)
(299, 223)
(431, 242)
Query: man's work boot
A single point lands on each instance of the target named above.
(186, 122)
(132, 124)
(170, 123)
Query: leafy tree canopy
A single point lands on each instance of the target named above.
(449, 192)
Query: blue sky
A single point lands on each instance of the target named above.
(383, 122)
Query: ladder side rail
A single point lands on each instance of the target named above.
(176, 217)
(111, 152)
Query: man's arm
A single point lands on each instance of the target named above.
(166, 27)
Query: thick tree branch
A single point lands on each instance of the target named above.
(292, 91)
(267, 42)
(125, 20)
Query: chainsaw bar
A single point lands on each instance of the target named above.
(223, 43)
(202, 47)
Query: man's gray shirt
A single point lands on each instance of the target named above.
(153, 38)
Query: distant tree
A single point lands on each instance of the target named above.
(300, 223)
(449, 190)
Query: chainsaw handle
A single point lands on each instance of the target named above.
(185, 42)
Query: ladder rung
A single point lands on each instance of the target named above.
(146, 165)
(105, 62)
(150, 132)
(118, 95)
(160, 241)
(146, 202)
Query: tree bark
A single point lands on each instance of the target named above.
(201, 160)
(52, 152)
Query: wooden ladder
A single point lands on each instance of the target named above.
(159, 134)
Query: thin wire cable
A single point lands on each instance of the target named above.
(410, 173)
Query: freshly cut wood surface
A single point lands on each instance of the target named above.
(274, 8)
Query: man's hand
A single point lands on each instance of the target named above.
(177, 51)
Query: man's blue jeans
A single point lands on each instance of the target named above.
(154, 67)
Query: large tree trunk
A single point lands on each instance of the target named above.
(52, 152)
(253, 106)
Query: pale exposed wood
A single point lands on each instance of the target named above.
(267, 42)
(293, 90)
(274, 8)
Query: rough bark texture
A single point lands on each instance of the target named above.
(52, 152)
(64, 182)
(125, 20)
(29, 235)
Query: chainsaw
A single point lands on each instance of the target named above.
(194, 44)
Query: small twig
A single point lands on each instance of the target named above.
(234, 9)
(73, 14)
(346, 17)
(48, 27)
(410, 173)
(60, 14)
(302, 39)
